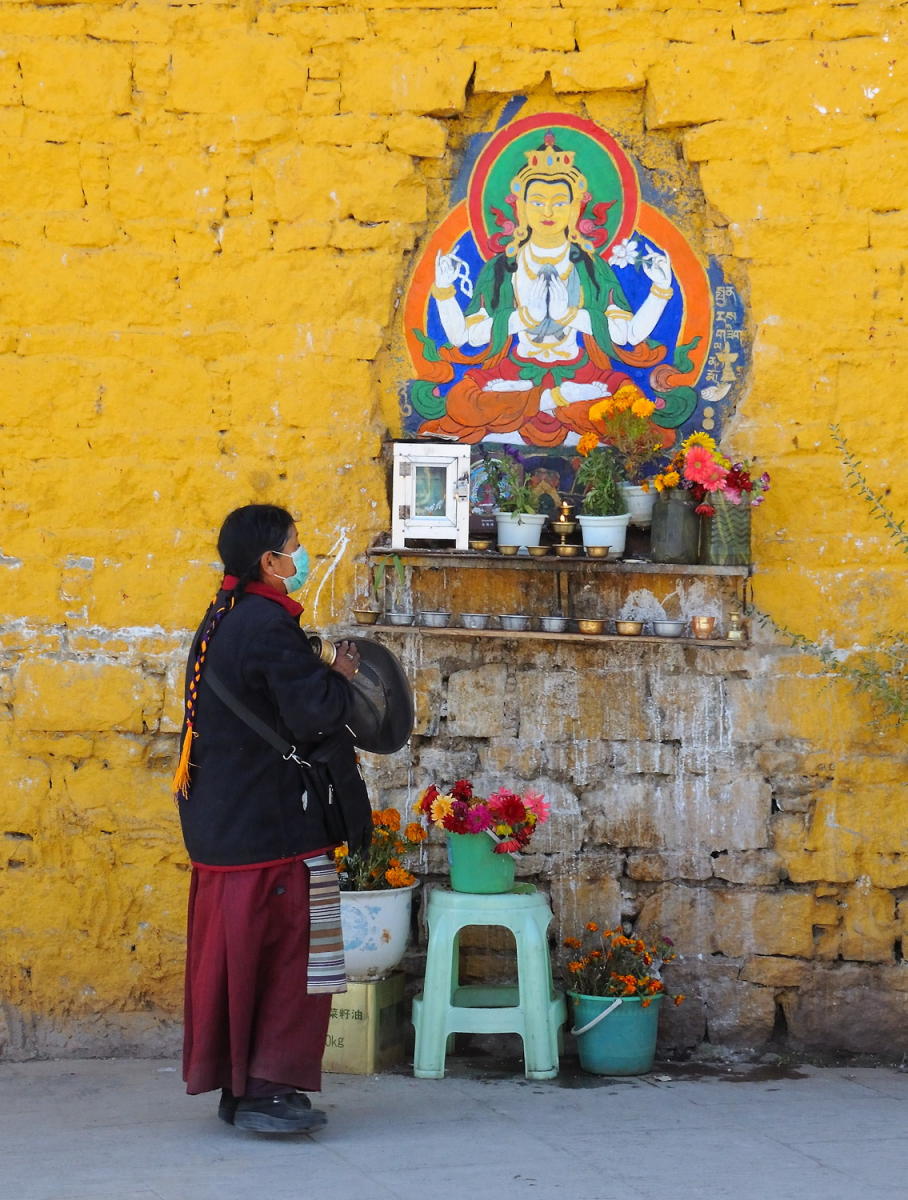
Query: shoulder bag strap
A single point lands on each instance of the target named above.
(264, 730)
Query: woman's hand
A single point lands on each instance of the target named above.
(346, 662)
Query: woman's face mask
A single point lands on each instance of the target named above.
(300, 560)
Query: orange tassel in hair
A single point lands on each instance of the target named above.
(181, 775)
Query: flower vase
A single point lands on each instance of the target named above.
(605, 531)
(475, 867)
(675, 532)
(519, 529)
(376, 928)
(615, 1035)
(639, 501)
(726, 536)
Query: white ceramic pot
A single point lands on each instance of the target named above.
(376, 929)
(519, 529)
(605, 531)
(640, 504)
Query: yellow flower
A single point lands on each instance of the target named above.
(642, 407)
(587, 443)
(598, 412)
(698, 439)
(441, 806)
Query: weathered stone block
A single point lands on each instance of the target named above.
(419, 136)
(773, 972)
(428, 693)
(82, 77)
(748, 922)
(24, 794)
(869, 927)
(739, 1013)
(669, 865)
(758, 868)
(385, 79)
(85, 696)
(860, 1009)
(576, 901)
(512, 759)
(478, 703)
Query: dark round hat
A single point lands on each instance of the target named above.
(383, 711)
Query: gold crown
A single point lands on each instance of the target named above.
(550, 160)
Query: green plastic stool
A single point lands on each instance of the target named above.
(533, 1008)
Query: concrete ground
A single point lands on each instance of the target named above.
(125, 1130)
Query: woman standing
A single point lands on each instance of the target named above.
(264, 951)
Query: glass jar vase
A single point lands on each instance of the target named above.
(675, 530)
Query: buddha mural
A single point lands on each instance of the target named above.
(546, 290)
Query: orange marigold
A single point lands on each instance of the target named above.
(398, 877)
(592, 926)
(415, 832)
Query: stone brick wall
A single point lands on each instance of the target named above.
(207, 214)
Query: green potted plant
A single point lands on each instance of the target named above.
(516, 497)
(604, 517)
(376, 896)
(484, 832)
(636, 442)
(615, 985)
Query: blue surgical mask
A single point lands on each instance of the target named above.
(300, 560)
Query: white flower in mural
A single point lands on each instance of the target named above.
(624, 254)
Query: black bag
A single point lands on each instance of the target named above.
(330, 771)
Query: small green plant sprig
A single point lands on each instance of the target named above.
(881, 674)
(510, 483)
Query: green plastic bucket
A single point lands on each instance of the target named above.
(623, 1042)
(475, 867)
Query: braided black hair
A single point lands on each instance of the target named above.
(246, 534)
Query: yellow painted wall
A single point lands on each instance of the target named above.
(207, 213)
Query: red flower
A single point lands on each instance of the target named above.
(462, 790)
(508, 846)
(508, 808)
(429, 795)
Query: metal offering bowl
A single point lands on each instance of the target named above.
(629, 628)
(568, 551)
(515, 622)
(399, 618)
(433, 619)
(553, 624)
(366, 616)
(474, 620)
(589, 626)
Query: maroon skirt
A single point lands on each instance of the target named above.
(247, 1012)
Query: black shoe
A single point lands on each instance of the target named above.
(227, 1106)
(291, 1112)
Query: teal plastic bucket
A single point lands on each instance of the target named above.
(475, 867)
(621, 1043)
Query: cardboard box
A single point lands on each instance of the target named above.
(367, 1030)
